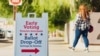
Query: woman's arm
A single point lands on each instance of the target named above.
(75, 20)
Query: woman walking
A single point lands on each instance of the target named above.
(81, 26)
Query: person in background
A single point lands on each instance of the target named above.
(81, 26)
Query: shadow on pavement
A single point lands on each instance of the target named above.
(6, 41)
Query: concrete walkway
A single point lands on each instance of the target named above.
(7, 51)
(57, 47)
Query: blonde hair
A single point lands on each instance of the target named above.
(83, 10)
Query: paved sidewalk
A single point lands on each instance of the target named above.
(57, 47)
(7, 51)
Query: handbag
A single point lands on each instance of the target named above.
(90, 29)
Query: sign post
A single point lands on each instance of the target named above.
(31, 35)
(15, 3)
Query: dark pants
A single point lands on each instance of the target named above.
(84, 34)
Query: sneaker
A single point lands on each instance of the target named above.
(86, 50)
(72, 48)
